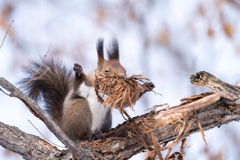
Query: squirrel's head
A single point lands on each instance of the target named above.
(112, 65)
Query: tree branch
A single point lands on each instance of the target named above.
(29, 146)
(172, 124)
(123, 141)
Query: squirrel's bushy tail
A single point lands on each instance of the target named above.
(50, 82)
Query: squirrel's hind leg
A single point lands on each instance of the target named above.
(77, 119)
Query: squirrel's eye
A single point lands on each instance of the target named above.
(107, 71)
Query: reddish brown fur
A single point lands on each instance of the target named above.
(111, 66)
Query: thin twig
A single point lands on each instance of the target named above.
(28, 69)
(6, 34)
(41, 74)
(45, 137)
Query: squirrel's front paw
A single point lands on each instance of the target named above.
(199, 78)
(78, 69)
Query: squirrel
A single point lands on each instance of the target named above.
(71, 100)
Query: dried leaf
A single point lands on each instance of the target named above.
(201, 10)
(228, 29)
(211, 32)
(163, 37)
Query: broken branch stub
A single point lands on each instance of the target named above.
(216, 85)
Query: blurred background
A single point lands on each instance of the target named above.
(166, 41)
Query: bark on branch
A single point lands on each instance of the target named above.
(172, 124)
(216, 85)
(29, 146)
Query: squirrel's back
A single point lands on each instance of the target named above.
(49, 81)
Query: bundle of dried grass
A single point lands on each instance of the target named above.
(121, 91)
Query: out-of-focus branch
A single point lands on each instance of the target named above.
(6, 34)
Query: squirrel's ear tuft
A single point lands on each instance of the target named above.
(113, 51)
(100, 52)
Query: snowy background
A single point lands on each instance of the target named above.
(166, 41)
